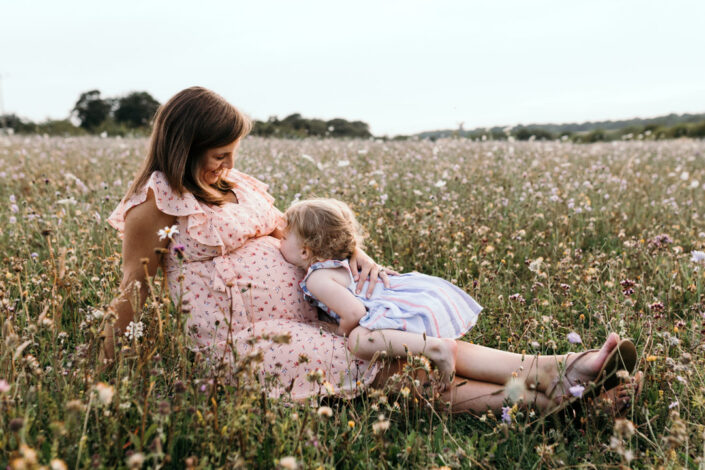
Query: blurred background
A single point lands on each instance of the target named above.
(384, 68)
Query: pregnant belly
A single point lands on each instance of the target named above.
(267, 285)
(254, 281)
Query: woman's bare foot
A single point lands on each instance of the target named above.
(567, 374)
(442, 353)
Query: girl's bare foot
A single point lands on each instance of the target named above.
(442, 353)
(567, 374)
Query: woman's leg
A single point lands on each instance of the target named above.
(466, 395)
(365, 343)
(495, 366)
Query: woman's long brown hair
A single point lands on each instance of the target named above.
(185, 127)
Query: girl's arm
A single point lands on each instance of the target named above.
(335, 296)
(140, 238)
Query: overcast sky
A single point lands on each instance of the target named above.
(403, 66)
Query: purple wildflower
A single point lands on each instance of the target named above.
(179, 250)
(574, 338)
(506, 415)
(577, 390)
(4, 386)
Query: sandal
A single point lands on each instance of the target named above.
(622, 357)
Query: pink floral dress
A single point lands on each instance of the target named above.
(233, 272)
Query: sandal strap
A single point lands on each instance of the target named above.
(563, 376)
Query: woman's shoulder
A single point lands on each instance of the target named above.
(147, 215)
(161, 198)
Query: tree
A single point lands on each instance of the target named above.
(92, 110)
(136, 109)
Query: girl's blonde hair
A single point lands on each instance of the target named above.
(327, 227)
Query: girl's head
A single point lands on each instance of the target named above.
(193, 142)
(317, 230)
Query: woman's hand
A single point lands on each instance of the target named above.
(364, 267)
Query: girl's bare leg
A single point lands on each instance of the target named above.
(494, 366)
(364, 343)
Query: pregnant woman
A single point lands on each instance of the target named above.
(227, 230)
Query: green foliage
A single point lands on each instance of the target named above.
(17, 124)
(671, 126)
(136, 109)
(296, 126)
(92, 110)
(62, 127)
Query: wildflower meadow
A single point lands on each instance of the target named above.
(560, 242)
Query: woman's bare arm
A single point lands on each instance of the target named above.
(140, 239)
(363, 268)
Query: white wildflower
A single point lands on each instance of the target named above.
(325, 411)
(381, 425)
(535, 265)
(67, 202)
(57, 464)
(289, 463)
(105, 392)
(308, 157)
(697, 256)
(134, 330)
(514, 389)
(135, 460)
(168, 232)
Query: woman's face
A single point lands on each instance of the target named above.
(216, 161)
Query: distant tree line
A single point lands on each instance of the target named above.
(295, 126)
(129, 114)
(671, 126)
(132, 114)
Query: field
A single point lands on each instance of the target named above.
(551, 238)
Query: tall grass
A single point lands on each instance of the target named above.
(550, 238)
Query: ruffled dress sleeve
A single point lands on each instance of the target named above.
(251, 183)
(258, 188)
(167, 200)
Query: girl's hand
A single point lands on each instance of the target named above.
(364, 267)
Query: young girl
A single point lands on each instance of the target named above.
(421, 313)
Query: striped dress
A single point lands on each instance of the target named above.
(414, 302)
